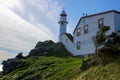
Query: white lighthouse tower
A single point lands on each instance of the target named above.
(63, 24)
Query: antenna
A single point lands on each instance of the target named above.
(83, 14)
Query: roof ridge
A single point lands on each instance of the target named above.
(95, 15)
(69, 36)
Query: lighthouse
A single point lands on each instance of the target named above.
(63, 24)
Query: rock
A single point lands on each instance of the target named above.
(49, 48)
(48, 43)
(10, 65)
(20, 56)
(46, 48)
(85, 65)
(42, 48)
(41, 51)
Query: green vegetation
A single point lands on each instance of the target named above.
(46, 68)
(108, 71)
(109, 67)
(0, 74)
(100, 39)
(108, 59)
(44, 64)
(49, 48)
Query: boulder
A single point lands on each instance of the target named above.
(20, 56)
(49, 48)
(48, 43)
(10, 65)
(42, 48)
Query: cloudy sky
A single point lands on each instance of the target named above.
(25, 22)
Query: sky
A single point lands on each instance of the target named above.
(0, 67)
(25, 22)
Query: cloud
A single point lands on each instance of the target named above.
(4, 55)
(16, 34)
(25, 22)
(45, 12)
(10, 3)
(37, 12)
(1, 68)
(50, 8)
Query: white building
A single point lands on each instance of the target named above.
(82, 43)
(65, 38)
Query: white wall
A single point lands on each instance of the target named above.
(87, 43)
(67, 43)
(63, 28)
(117, 21)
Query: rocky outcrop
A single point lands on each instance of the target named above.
(86, 64)
(49, 48)
(46, 48)
(11, 64)
(20, 56)
(48, 43)
(42, 48)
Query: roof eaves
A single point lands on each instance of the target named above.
(94, 15)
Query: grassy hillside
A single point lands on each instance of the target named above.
(41, 66)
(109, 67)
(46, 68)
(110, 71)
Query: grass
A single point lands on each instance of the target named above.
(46, 68)
(108, 70)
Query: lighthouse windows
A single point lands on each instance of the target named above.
(62, 23)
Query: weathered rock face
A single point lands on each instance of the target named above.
(49, 48)
(46, 48)
(48, 43)
(20, 56)
(42, 48)
(10, 65)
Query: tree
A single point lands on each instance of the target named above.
(100, 38)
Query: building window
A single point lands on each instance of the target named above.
(86, 29)
(78, 32)
(83, 20)
(78, 45)
(100, 22)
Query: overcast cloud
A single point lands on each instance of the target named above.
(29, 21)
(39, 12)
